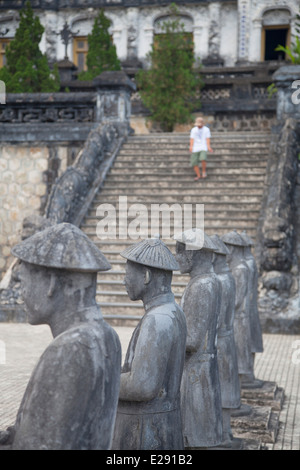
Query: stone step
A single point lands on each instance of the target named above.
(185, 157)
(122, 190)
(168, 185)
(181, 178)
(100, 240)
(218, 136)
(196, 198)
(181, 147)
(122, 296)
(189, 191)
(118, 275)
(118, 286)
(151, 217)
(135, 229)
(162, 173)
(181, 150)
(147, 165)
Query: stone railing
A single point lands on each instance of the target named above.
(66, 116)
(278, 230)
(230, 89)
(48, 108)
(74, 191)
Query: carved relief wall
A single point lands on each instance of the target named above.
(226, 30)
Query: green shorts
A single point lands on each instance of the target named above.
(197, 157)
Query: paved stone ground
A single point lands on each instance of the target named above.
(21, 345)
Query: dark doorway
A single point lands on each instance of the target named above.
(274, 37)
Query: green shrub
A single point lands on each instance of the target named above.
(27, 69)
(170, 88)
(102, 55)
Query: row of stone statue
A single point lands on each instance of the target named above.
(184, 365)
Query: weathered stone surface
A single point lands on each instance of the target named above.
(149, 415)
(73, 188)
(227, 354)
(268, 394)
(242, 329)
(71, 399)
(262, 424)
(201, 392)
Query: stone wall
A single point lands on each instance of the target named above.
(26, 175)
(41, 135)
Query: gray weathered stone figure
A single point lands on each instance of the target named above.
(148, 414)
(255, 326)
(200, 391)
(227, 355)
(71, 399)
(240, 272)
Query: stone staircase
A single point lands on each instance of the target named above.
(154, 169)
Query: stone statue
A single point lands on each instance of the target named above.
(255, 326)
(240, 272)
(71, 399)
(227, 355)
(148, 415)
(200, 392)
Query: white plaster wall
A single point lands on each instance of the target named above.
(229, 35)
(258, 7)
(142, 20)
(200, 14)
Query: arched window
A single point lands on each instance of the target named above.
(187, 23)
(276, 31)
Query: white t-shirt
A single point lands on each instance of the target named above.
(200, 136)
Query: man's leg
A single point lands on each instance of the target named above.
(197, 171)
(203, 156)
(195, 164)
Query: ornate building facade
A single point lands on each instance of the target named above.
(224, 32)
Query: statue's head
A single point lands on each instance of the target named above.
(58, 269)
(221, 250)
(192, 246)
(235, 244)
(149, 265)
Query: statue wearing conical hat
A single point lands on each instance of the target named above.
(148, 416)
(71, 399)
(240, 272)
(227, 355)
(200, 390)
(255, 326)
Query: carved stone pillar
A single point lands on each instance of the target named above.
(113, 97)
(214, 37)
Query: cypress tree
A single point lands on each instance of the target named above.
(27, 69)
(170, 88)
(102, 55)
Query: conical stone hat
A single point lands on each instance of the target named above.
(246, 238)
(195, 239)
(233, 238)
(62, 246)
(221, 248)
(151, 252)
